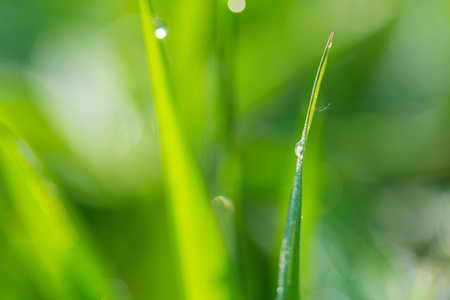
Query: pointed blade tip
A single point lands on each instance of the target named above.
(329, 44)
(330, 40)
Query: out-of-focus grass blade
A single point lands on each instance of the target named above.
(289, 287)
(201, 253)
(41, 232)
(225, 214)
(191, 42)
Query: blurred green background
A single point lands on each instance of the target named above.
(83, 211)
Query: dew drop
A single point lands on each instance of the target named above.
(161, 30)
(300, 148)
(279, 290)
(161, 33)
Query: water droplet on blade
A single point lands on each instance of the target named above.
(300, 148)
(161, 29)
(161, 33)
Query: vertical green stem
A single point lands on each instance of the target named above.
(289, 272)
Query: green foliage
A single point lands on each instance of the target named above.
(106, 180)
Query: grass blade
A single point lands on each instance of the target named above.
(316, 88)
(225, 214)
(289, 285)
(41, 232)
(200, 250)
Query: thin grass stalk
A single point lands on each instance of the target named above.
(289, 269)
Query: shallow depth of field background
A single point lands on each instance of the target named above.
(77, 121)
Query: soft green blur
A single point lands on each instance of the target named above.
(84, 206)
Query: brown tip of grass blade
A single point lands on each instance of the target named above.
(329, 44)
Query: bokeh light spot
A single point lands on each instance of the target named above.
(161, 33)
(236, 6)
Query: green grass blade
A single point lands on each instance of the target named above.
(49, 245)
(316, 88)
(225, 214)
(191, 42)
(289, 286)
(200, 250)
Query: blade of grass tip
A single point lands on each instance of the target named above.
(316, 87)
(289, 285)
(204, 266)
(225, 214)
